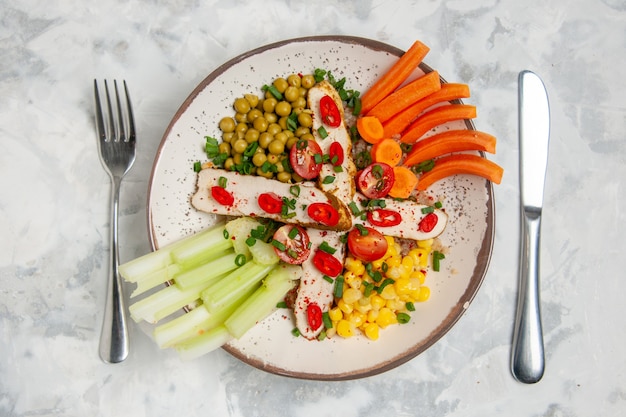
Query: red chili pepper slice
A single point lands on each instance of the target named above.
(327, 263)
(384, 217)
(330, 113)
(335, 152)
(270, 203)
(428, 223)
(314, 316)
(222, 196)
(323, 213)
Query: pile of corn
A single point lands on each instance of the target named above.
(381, 293)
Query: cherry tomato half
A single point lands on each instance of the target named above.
(222, 196)
(335, 152)
(302, 158)
(323, 213)
(295, 242)
(314, 316)
(270, 203)
(327, 264)
(428, 223)
(376, 180)
(330, 112)
(367, 244)
(384, 217)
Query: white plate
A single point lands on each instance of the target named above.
(270, 345)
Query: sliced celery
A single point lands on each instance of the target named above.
(156, 278)
(207, 273)
(260, 304)
(196, 322)
(234, 284)
(205, 343)
(163, 303)
(202, 247)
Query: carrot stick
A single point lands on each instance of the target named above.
(370, 129)
(460, 164)
(449, 142)
(387, 151)
(404, 182)
(405, 96)
(436, 117)
(448, 91)
(395, 76)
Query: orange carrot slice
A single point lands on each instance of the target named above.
(460, 164)
(404, 182)
(387, 151)
(449, 142)
(436, 117)
(370, 129)
(449, 91)
(395, 76)
(405, 96)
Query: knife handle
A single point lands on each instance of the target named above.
(527, 362)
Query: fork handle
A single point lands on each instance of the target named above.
(114, 343)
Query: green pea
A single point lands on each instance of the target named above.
(253, 114)
(241, 117)
(252, 99)
(269, 104)
(242, 105)
(281, 137)
(252, 135)
(270, 117)
(283, 176)
(240, 146)
(265, 139)
(292, 93)
(240, 129)
(276, 147)
(228, 137)
(294, 80)
(228, 163)
(283, 109)
(274, 128)
(281, 84)
(259, 159)
(308, 81)
(301, 130)
(260, 123)
(227, 124)
(224, 147)
(305, 119)
(299, 102)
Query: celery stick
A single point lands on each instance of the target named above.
(203, 247)
(155, 278)
(239, 230)
(196, 322)
(261, 303)
(163, 303)
(207, 273)
(205, 343)
(235, 283)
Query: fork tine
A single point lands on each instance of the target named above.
(120, 116)
(112, 124)
(131, 118)
(101, 130)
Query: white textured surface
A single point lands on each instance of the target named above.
(54, 216)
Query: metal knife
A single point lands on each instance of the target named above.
(527, 358)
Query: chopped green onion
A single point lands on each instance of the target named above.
(368, 288)
(324, 246)
(322, 132)
(225, 234)
(295, 332)
(294, 190)
(356, 109)
(222, 182)
(251, 149)
(384, 266)
(293, 233)
(274, 91)
(240, 260)
(281, 304)
(353, 208)
(292, 121)
(403, 318)
(362, 230)
(338, 168)
(437, 257)
(426, 210)
(250, 241)
(338, 291)
(318, 158)
(197, 166)
(382, 286)
(438, 204)
(329, 179)
(328, 279)
(410, 306)
(278, 245)
(326, 320)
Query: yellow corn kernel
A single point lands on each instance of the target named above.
(345, 328)
(403, 286)
(362, 308)
(419, 275)
(378, 264)
(395, 304)
(386, 317)
(372, 315)
(351, 295)
(371, 331)
(357, 318)
(354, 265)
(343, 306)
(352, 280)
(425, 243)
(424, 293)
(332, 331)
(393, 261)
(408, 263)
(392, 250)
(335, 314)
(377, 301)
(419, 256)
(390, 240)
(388, 293)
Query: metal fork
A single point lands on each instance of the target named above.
(116, 148)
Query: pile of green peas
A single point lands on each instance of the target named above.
(274, 124)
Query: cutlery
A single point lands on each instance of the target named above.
(116, 148)
(527, 359)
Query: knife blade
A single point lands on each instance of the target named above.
(527, 358)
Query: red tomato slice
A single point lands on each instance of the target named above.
(327, 264)
(222, 196)
(376, 180)
(335, 152)
(428, 223)
(384, 217)
(302, 158)
(368, 245)
(296, 244)
(323, 213)
(330, 113)
(270, 203)
(314, 316)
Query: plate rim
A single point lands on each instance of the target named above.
(483, 256)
